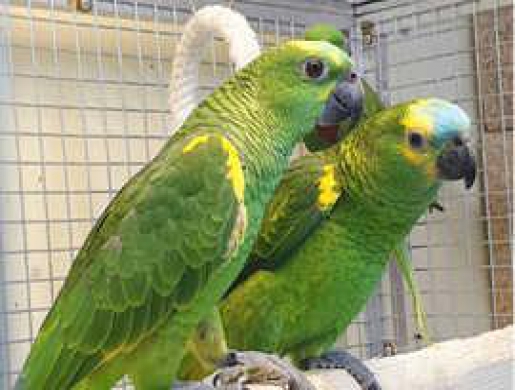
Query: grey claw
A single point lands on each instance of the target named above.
(344, 360)
(389, 348)
(243, 368)
(436, 206)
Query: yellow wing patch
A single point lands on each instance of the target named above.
(195, 141)
(235, 174)
(234, 167)
(328, 188)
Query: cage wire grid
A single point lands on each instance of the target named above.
(461, 51)
(84, 105)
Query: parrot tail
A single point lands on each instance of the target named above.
(51, 365)
(208, 22)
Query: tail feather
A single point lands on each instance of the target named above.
(403, 261)
(51, 365)
(69, 369)
(43, 356)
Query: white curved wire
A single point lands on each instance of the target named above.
(205, 23)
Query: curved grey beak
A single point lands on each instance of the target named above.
(345, 102)
(457, 162)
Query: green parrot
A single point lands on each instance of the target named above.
(356, 202)
(372, 103)
(178, 233)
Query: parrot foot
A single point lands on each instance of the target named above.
(244, 368)
(344, 360)
(436, 206)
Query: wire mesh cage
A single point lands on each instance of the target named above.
(84, 105)
(461, 51)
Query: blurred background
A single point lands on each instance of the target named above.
(84, 105)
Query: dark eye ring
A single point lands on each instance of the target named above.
(315, 69)
(416, 140)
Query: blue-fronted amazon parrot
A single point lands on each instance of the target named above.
(372, 103)
(178, 233)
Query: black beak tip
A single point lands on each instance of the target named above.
(469, 182)
(470, 174)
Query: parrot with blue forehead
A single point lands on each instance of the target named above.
(327, 237)
(371, 104)
(178, 233)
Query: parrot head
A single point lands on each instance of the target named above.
(328, 133)
(326, 32)
(419, 144)
(308, 82)
(436, 133)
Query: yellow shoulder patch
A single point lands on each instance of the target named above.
(328, 188)
(235, 170)
(234, 167)
(194, 142)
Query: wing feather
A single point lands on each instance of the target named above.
(148, 256)
(294, 213)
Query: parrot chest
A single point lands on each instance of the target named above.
(318, 291)
(340, 274)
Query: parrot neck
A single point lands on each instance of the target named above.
(235, 111)
(391, 198)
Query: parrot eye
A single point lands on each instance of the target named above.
(315, 69)
(353, 77)
(416, 140)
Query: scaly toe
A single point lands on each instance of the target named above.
(244, 368)
(344, 360)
